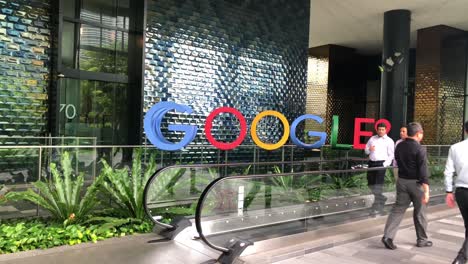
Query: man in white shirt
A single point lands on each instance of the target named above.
(380, 149)
(457, 162)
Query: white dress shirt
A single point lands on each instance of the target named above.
(457, 162)
(384, 149)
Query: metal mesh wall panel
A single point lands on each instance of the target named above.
(250, 55)
(452, 88)
(343, 107)
(440, 82)
(317, 87)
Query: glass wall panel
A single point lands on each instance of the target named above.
(94, 109)
(123, 14)
(97, 49)
(94, 41)
(68, 45)
(121, 53)
(69, 8)
(99, 11)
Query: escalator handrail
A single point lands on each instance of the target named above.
(209, 187)
(162, 170)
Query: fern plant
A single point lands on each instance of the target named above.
(126, 188)
(303, 188)
(62, 195)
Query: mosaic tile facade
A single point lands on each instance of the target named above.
(24, 60)
(250, 55)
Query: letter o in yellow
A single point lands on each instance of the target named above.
(253, 130)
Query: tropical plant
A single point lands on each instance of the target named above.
(343, 184)
(389, 180)
(126, 188)
(61, 196)
(303, 188)
(167, 183)
(436, 171)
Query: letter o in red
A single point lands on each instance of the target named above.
(386, 122)
(209, 126)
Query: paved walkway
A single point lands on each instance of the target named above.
(447, 235)
(445, 230)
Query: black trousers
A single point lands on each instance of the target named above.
(375, 181)
(461, 195)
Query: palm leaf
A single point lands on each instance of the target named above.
(58, 183)
(30, 195)
(67, 171)
(136, 177)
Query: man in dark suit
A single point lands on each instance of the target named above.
(412, 186)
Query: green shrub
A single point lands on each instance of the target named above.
(37, 234)
(62, 196)
(126, 189)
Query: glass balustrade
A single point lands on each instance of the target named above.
(175, 193)
(260, 207)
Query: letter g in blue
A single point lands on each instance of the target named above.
(322, 135)
(152, 126)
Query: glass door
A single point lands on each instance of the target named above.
(93, 109)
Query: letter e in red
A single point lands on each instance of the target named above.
(358, 133)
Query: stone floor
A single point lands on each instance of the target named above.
(445, 230)
(447, 235)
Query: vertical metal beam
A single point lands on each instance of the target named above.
(56, 15)
(136, 62)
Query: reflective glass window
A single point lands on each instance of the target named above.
(99, 11)
(68, 45)
(93, 109)
(69, 8)
(97, 49)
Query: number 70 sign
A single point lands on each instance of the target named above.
(69, 109)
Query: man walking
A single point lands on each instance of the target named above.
(412, 186)
(457, 162)
(380, 149)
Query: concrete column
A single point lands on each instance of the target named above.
(395, 60)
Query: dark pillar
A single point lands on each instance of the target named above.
(136, 61)
(395, 60)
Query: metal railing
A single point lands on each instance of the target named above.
(50, 141)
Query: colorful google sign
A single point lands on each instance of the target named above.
(154, 117)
